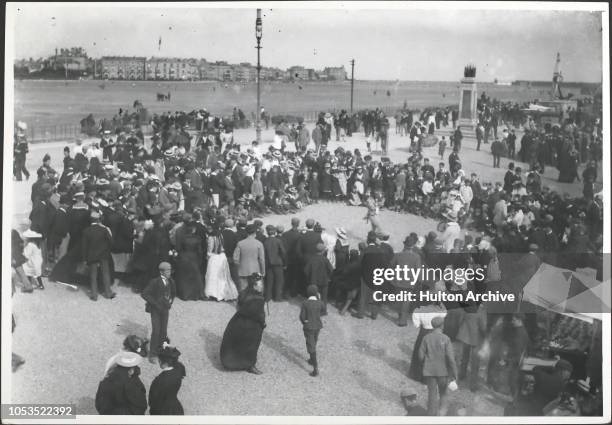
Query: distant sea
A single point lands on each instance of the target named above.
(53, 102)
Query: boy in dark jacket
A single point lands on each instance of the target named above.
(310, 316)
(436, 353)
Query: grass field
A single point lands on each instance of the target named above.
(44, 103)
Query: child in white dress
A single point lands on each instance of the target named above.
(32, 252)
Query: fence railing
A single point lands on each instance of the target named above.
(53, 132)
(312, 116)
(72, 131)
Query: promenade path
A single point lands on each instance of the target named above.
(66, 338)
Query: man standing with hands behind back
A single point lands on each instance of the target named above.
(249, 257)
(159, 295)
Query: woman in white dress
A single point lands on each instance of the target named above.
(340, 174)
(219, 283)
(330, 244)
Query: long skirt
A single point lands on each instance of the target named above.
(219, 283)
(342, 182)
(65, 270)
(240, 343)
(416, 366)
(189, 279)
(121, 260)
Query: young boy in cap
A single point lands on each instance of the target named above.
(310, 316)
(436, 354)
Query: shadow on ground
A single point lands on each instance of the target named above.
(127, 327)
(279, 344)
(381, 354)
(212, 347)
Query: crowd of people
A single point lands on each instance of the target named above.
(185, 218)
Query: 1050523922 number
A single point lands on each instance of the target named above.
(40, 411)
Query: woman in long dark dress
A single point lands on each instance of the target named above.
(153, 249)
(189, 278)
(242, 336)
(348, 281)
(163, 398)
(66, 268)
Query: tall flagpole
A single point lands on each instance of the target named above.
(352, 81)
(258, 34)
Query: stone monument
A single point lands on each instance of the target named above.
(468, 114)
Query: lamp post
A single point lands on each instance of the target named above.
(258, 33)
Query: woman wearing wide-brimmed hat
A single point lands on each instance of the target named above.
(122, 392)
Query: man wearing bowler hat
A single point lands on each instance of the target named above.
(159, 295)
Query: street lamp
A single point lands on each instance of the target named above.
(258, 34)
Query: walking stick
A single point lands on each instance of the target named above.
(73, 287)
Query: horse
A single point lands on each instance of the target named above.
(163, 97)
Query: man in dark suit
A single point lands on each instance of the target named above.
(238, 177)
(308, 241)
(306, 248)
(276, 259)
(290, 240)
(385, 247)
(36, 186)
(509, 178)
(241, 229)
(411, 258)
(96, 248)
(159, 295)
(427, 167)
(373, 258)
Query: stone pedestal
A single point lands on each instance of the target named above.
(468, 114)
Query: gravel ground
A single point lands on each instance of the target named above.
(66, 338)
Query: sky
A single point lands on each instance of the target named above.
(387, 44)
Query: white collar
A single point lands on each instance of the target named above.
(312, 297)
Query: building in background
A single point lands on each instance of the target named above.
(335, 73)
(123, 67)
(74, 60)
(74, 63)
(273, 74)
(172, 69)
(31, 65)
(245, 72)
(298, 73)
(219, 71)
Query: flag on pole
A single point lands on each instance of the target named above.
(159, 44)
